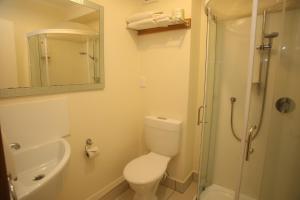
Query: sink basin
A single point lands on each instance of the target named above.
(39, 170)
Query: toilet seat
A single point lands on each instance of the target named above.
(146, 168)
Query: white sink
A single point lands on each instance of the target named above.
(45, 163)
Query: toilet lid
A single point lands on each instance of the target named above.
(145, 169)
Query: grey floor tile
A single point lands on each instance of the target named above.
(188, 195)
(165, 193)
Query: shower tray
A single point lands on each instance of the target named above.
(217, 192)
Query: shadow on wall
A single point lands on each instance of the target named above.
(170, 39)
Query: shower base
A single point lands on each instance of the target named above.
(217, 192)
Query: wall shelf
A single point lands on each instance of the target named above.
(185, 25)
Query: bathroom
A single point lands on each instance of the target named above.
(206, 93)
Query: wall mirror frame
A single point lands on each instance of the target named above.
(96, 84)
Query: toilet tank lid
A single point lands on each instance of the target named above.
(163, 123)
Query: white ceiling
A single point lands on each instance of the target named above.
(227, 9)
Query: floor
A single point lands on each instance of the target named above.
(165, 193)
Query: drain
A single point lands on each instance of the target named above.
(39, 177)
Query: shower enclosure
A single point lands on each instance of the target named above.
(251, 134)
(63, 56)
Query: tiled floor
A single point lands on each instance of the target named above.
(165, 193)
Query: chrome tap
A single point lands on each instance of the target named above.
(12, 188)
(15, 146)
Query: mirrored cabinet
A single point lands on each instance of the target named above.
(50, 46)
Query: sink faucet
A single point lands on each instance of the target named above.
(12, 188)
(15, 146)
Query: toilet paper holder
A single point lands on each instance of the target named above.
(88, 143)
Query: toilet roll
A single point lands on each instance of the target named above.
(91, 152)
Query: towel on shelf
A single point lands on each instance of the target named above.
(156, 20)
(177, 21)
(142, 16)
(161, 16)
(164, 22)
(142, 24)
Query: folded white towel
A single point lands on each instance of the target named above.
(142, 24)
(142, 16)
(161, 16)
(9, 159)
(164, 22)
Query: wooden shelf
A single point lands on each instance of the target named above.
(185, 25)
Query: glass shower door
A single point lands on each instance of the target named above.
(226, 79)
(208, 137)
(271, 171)
(281, 175)
(259, 161)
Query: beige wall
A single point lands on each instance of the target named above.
(113, 117)
(169, 64)
(8, 60)
(165, 65)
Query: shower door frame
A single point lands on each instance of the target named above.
(246, 130)
(210, 149)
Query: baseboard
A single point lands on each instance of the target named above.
(195, 176)
(120, 185)
(111, 191)
(178, 185)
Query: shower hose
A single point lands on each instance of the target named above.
(233, 100)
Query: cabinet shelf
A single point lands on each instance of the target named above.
(186, 24)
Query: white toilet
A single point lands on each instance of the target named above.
(144, 173)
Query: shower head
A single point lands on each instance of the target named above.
(271, 35)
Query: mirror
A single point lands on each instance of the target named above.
(50, 46)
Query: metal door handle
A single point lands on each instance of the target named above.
(200, 116)
(249, 149)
